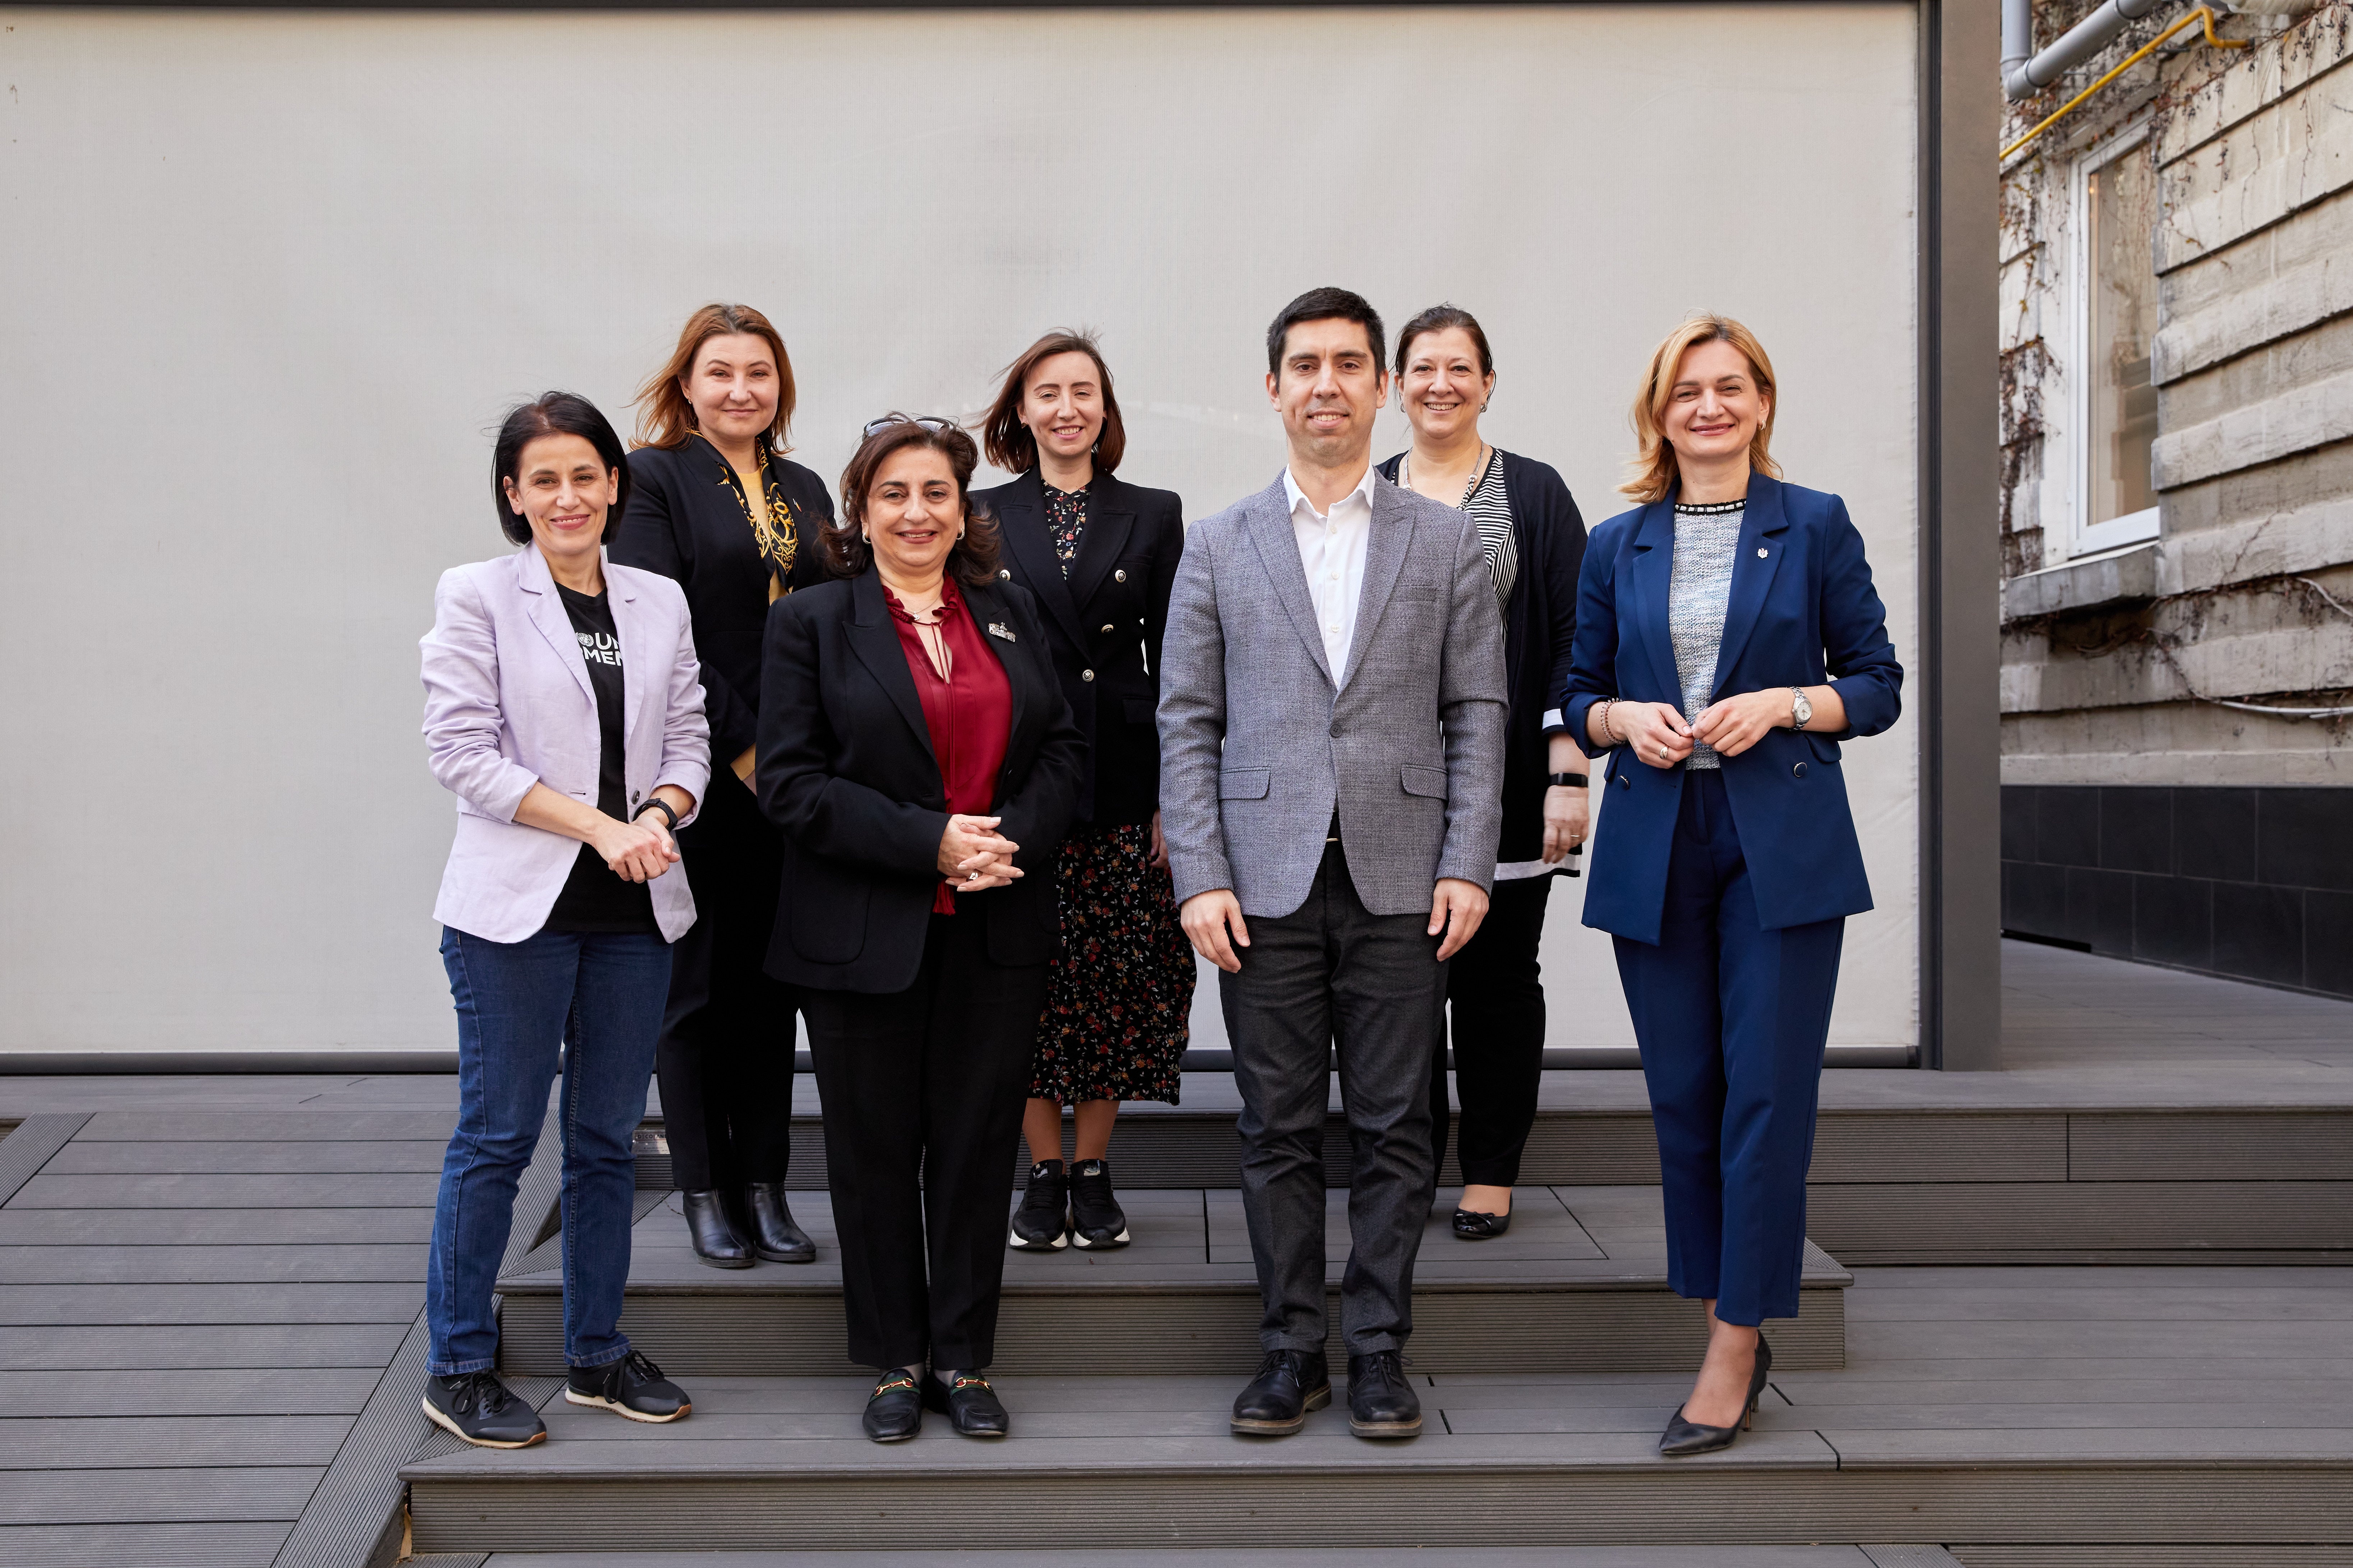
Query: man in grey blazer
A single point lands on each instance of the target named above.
(1331, 713)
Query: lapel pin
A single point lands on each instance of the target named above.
(1762, 553)
(997, 629)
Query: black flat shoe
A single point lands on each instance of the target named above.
(475, 1407)
(1289, 1385)
(774, 1237)
(1684, 1438)
(1096, 1218)
(894, 1410)
(1381, 1403)
(716, 1240)
(1042, 1222)
(631, 1386)
(971, 1406)
(1472, 1225)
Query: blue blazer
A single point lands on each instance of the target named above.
(1801, 605)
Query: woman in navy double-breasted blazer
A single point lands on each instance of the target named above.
(1726, 861)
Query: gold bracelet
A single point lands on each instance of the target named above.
(1607, 728)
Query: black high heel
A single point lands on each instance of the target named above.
(1684, 1438)
(712, 1229)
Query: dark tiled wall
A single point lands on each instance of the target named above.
(2253, 883)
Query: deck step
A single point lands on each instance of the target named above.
(1578, 1283)
(1506, 1460)
(1716, 1556)
(1908, 1167)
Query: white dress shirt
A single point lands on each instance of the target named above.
(1331, 550)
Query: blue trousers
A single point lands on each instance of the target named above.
(1731, 1018)
(601, 996)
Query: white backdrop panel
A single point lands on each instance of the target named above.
(266, 278)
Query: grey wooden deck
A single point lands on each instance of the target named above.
(206, 1284)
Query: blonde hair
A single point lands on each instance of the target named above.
(1652, 475)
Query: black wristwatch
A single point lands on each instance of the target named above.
(656, 803)
(1566, 781)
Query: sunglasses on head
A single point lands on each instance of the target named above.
(926, 421)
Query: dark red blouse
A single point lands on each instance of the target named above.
(970, 714)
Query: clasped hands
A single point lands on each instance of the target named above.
(1660, 737)
(974, 857)
(635, 851)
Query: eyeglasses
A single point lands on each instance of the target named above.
(925, 420)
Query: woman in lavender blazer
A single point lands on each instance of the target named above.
(564, 710)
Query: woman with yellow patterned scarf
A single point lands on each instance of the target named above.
(715, 503)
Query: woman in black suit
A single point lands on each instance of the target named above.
(1100, 554)
(917, 755)
(1534, 544)
(714, 505)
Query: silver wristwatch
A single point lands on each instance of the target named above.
(1801, 711)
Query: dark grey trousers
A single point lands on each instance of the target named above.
(1328, 971)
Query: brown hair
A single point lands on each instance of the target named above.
(665, 418)
(973, 561)
(1439, 319)
(1013, 445)
(1652, 474)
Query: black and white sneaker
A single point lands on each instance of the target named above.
(631, 1386)
(1043, 1222)
(476, 1408)
(1096, 1218)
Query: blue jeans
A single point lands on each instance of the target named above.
(601, 996)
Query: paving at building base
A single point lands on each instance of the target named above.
(209, 1345)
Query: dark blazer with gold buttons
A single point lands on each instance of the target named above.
(1104, 622)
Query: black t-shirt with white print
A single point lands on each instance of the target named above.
(595, 899)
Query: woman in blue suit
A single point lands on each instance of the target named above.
(1727, 863)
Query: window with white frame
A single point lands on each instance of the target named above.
(2116, 318)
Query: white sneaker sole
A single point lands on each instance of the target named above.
(1014, 1240)
(443, 1420)
(1119, 1240)
(598, 1401)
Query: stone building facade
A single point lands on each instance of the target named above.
(2177, 518)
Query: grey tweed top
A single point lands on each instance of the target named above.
(1699, 588)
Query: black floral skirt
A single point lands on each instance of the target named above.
(1119, 999)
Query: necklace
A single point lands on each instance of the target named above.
(1478, 472)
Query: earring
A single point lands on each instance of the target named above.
(1483, 408)
(959, 535)
(864, 537)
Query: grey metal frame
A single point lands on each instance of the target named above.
(1955, 693)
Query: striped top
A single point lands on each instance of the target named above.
(1698, 590)
(1490, 508)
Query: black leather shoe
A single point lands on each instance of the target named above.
(1289, 1385)
(1684, 1438)
(631, 1386)
(480, 1409)
(1473, 1225)
(1042, 1222)
(971, 1406)
(1096, 1218)
(894, 1410)
(1381, 1403)
(716, 1240)
(774, 1237)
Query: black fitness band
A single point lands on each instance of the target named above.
(1566, 781)
(656, 803)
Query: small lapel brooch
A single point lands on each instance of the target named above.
(997, 629)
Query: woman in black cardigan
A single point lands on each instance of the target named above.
(1100, 555)
(916, 750)
(714, 504)
(1534, 544)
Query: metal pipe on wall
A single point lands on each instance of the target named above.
(2025, 73)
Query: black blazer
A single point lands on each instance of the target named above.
(1108, 617)
(1539, 626)
(683, 520)
(846, 773)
